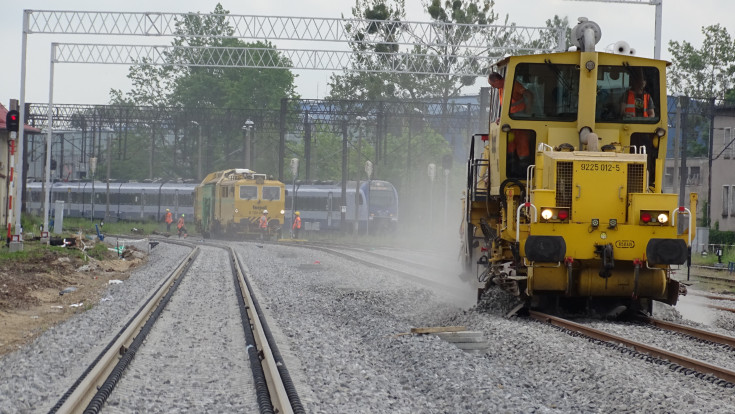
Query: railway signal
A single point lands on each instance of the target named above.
(12, 121)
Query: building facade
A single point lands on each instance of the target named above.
(723, 170)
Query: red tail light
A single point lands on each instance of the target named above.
(646, 217)
(563, 214)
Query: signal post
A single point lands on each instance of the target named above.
(7, 157)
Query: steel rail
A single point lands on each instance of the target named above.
(694, 332)
(683, 361)
(279, 395)
(447, 289)
(722, 308)
(713, 297)
(85, 389)
(373, 254)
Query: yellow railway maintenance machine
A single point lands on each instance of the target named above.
(580, 223)
(230, 203)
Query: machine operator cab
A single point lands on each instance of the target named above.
(626, 97)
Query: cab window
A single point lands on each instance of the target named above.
(628, 94)
(271, 193)
(248, 192)
(544, 92)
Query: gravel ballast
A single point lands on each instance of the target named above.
(339, 325)
(33, 378)
(342, 322)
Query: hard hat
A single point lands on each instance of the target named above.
(265, 211)
(298, 214)
(182, 215)
(168, 210)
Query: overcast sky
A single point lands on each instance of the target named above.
(87, 83)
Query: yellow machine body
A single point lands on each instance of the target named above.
(584, 215)
(231, 202)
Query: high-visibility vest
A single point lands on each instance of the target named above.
(630, 104)
(297, 223)
(169, 218)
(517, 101)
(519, 141)
(263, 222)
(180, 224)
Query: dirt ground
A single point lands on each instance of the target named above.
(38, 294)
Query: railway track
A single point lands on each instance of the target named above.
(723, 299)
(710, 372)
(711, 277)
(171, 343)
(427, 275)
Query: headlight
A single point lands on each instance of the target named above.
(554, 213)
(654, 217)
(283, 211)
(546, 214)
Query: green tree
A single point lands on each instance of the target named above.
(705, 72)
(373, 76)
(368, 79)
(225, 87)
(180, 86)
(549, 39)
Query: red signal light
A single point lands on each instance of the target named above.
(11, 120)
(563, 214)
(646, 217)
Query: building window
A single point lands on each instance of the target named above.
(693, 178)
(725, 200)
(732, 201)
(669, 177)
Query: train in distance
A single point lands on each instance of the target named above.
(319, 203)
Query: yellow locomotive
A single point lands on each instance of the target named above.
(564, 205)
(231, 202)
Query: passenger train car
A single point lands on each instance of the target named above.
(231, 202)
(581, 223)
(127, 201)
(320, 205)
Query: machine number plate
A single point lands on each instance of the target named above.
(600, 166)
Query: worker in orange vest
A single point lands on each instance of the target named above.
(636, 101)
(182, 227)
(263, 224)
(519, 140)
(169, 219)
(296, 225)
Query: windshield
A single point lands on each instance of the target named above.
(381, 198)
(271, 193)
(248, 192)
(545, 92)
(627, 94)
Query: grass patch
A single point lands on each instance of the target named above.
(119, 227)
(728, 255)
(36, 251)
